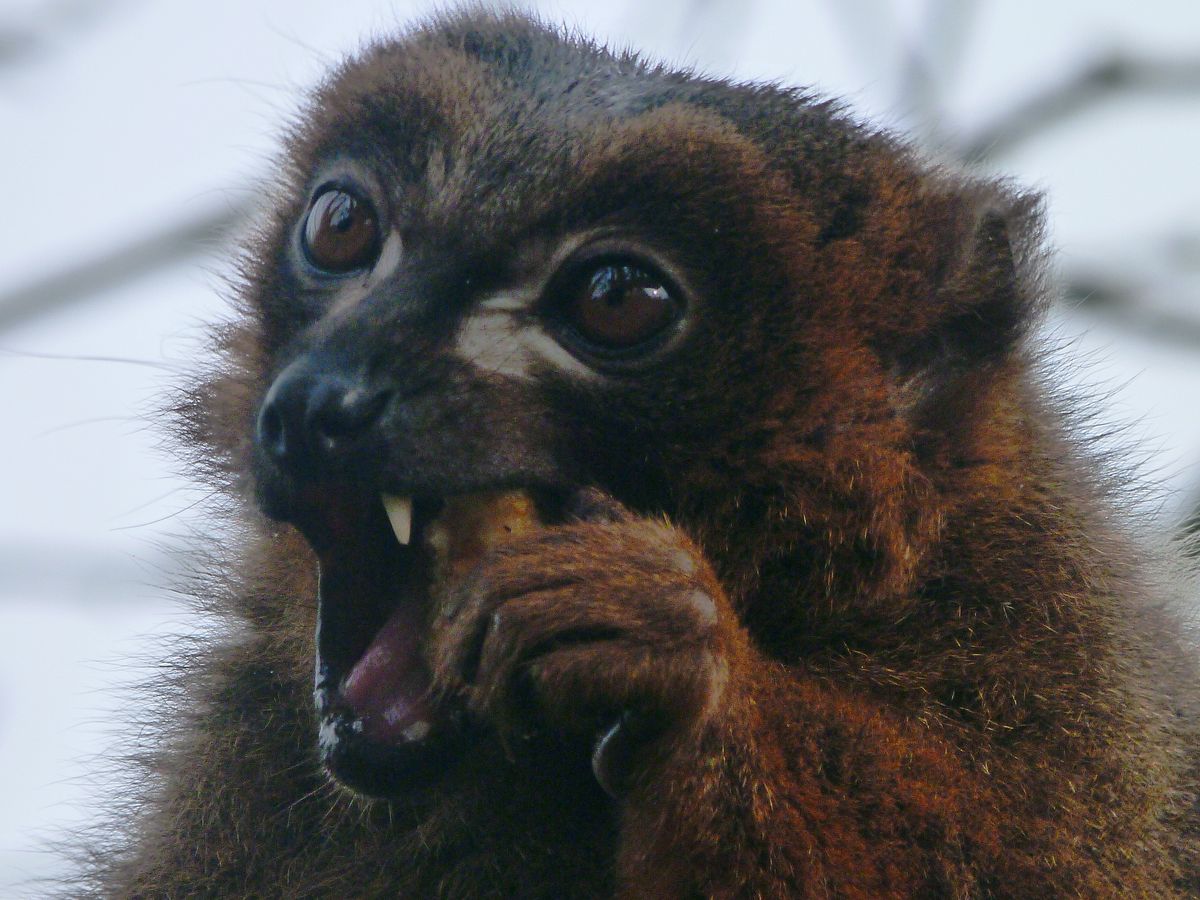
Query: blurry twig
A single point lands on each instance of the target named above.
(932, 61)
(1127, 305)
(28, 35)
(85, 279)
(1097, 81)
(868, 28)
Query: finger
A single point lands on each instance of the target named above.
(591, 504)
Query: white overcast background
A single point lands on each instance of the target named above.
(129, 128)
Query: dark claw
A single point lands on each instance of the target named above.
(593, 505)
(614, 756)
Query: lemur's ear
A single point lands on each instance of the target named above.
(984, 293)
(954, 287)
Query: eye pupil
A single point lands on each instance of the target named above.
(341, 233)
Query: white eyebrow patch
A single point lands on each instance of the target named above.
(498, 339)
(513, 301)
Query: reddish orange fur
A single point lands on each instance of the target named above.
(937, 667)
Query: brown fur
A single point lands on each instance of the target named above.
(870, 595)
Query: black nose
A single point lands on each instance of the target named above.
(315, 414)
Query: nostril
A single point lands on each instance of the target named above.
(277, 430)
(271, 434)
(338, 412)
(315, 415)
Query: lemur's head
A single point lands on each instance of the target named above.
(503, 259)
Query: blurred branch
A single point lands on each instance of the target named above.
(1134, 316)
(868, 29)
(27, 35)
(1158, 304)
(931, 62)
(1094, 83)
(17, 45)
(141, 256)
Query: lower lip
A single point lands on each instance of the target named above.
(379, 769)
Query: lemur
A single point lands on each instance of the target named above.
(648, 485)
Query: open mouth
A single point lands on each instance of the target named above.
(381, 730)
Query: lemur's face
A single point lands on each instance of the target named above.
(451, 311)
(504, 263)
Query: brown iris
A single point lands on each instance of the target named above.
(341, 233)
(619, 305)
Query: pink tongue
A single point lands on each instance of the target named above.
(388, 687)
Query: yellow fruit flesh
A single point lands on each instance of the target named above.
(471, 524)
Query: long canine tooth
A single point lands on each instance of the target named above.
(399, 513)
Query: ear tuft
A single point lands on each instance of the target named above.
(989, 293)
(983, 298)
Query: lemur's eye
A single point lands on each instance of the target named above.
(341, 233)
(618, 305)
